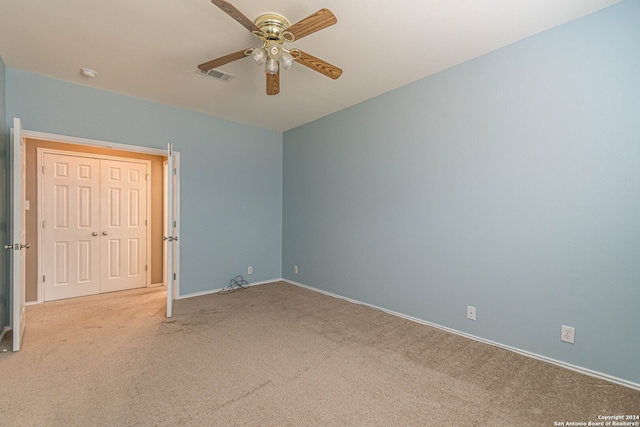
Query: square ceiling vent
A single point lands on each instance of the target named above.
(217, 74)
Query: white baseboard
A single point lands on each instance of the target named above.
(565, 365)
(215, 291)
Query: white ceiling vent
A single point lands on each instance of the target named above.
(217, 74)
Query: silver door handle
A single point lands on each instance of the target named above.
(17, 246)
(95, 233)
(104, 233)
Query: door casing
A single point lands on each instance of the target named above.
(123, 147)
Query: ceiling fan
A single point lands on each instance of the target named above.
(274, 30)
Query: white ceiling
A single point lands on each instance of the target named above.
(150, 49)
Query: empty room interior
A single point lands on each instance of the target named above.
(436, 223)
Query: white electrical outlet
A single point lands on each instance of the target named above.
(295, 269)
(568, 334)
(471, 312)
(250, 270)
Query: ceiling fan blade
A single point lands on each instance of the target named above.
(237, 15)
(319, 65)
(273, 83)
(215, 63)
(312, 23)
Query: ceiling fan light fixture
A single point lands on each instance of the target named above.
(274, 50)
(286, 61)
(272, 66)
(259, 56)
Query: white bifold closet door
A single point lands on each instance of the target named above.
(123, 238)
(95, 226)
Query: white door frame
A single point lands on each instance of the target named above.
(40, 194)
(123, 147)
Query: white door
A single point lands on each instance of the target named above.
(18, 244)
(171, 236)
(123, 225)
(165, 225)
(95, 225)
(71, 196)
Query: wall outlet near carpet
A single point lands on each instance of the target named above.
(249, 270)
(471, 312)
(568, 334)
(295, 269)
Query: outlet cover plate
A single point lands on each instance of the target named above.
(471, 312)
(568, 334)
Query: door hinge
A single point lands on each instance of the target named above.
(175, 171)
(145, 222)
(146, 267)
(43, 223)
(146, 177)
(174, 224)
(42, 168)
(43, 278)
(174, 276)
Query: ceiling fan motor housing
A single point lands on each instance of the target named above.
(273, 26)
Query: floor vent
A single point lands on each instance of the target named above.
(217, 74)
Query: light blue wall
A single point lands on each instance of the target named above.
(231, 174)
(4, 299)
(510, 182)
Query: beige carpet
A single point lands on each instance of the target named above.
(275, 355)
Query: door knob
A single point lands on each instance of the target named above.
(104, 233)
(25, 246)
(95, 233)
